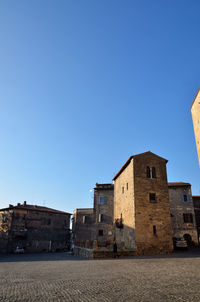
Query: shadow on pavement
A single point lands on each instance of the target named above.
(192, 253)
(64, 256)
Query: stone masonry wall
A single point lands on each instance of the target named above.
(105, 226)
(178, 207)
(124, 205)
(150, 215)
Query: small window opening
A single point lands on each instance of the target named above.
(148, 172)
(188, 218)
(152, 197)
(153, 172)
(101, 218)
(100, 232)
(154, 230)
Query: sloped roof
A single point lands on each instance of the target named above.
(178, 184)
(35, 208)
(134, 156)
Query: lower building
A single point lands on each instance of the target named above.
(33, 228)
(182, 212)
(83, 227)
(92, 229)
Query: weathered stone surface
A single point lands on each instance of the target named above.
(178, 207)
(140, 216)
(93, 228)
(195, 110)
(34, 228)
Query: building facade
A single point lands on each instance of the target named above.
(83, 227)
(195, 110)
(33, 228)
(141, 206)
(103, 214)
(93, 228)
(182, 212)
(196, 203)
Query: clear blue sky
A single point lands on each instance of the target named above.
(86, 84)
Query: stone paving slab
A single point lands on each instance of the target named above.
(61, 277)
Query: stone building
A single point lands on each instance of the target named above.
(93, 228)
(196, 203)
(195, 110)
(182, 211)
(134, 211)
(83, 227)
(141, 206)
(34, 228)
(103, 214)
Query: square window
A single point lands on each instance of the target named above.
(102, 200)
(85, 219)
(152, 197)
(188, 218)
(100, 232)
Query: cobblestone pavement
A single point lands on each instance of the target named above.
(61, 277)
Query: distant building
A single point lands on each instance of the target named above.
(93, 228)
(103, 214)
(83, 227)
(182, 211)
(34, 228)
(195, 110)
(196, 202)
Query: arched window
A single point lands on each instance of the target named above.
(148, 172)
(153, 172)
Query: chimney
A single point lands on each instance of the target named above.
(18, 204)
(24, 203)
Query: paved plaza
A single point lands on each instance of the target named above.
(61, 277)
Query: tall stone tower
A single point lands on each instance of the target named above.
(141, 205)
(195, 110)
